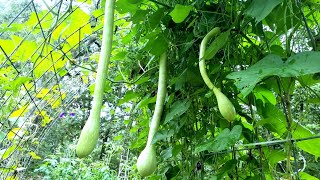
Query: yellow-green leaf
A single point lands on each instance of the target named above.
(8, 151)
(45, 117)
(180, 13)
(12, 178)
(34, 155)
(43, 93)
(15, 131)
(20, 112)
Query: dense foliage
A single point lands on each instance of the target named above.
(265, 61)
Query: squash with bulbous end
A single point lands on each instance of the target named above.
(90, 132)
(88, 138)
(225, 106)
(147, 161)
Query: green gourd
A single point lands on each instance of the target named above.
(225, 106)
(147, 160)
(90, 132)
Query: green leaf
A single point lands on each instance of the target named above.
(159, 46)
(34, 155)
(264, 95)
(120, 56)
(167, 153)
(177, 109)
(161, 135)
(177, 149)
(272, 65)
(97, 13)
(278, 50)
(46, 21)
(180, 13)
(223, 141)
(259, 9)
(275, 156)
(273, 119)
(313, 100)
(118, 138)
(135, 1)
(15, 85)
(307, 145)
(306, 176)
(155, 18)
(140, 15)
(247, 79)
(20, 112)
(128, 97)
(216, 45)
(86, 1)
(309, 80)
(124, 6)
(7, 152)
(15, 27)
(146, 100)
(2, 135)
(171, 151)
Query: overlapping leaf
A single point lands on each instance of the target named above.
(272, 65)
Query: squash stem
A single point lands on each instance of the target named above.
(161, 94)
(202, 64)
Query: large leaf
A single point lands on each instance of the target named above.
(307, 145)
(180, 13)
(272, 65)
(274, 120)
(155, 18)
(140, 15)
(124, 6)
(306, 176)
(223, 141)
(259, 9)
(157, 44)
(15, 84)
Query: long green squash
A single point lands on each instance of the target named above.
(90, 132)
(225, 106)
(147, 161)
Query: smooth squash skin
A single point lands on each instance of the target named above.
(225, 106)
(147, 160)
(90, 132)
(88, 138)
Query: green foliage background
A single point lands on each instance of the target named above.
(266, 62)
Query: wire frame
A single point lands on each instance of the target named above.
(28, 111)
